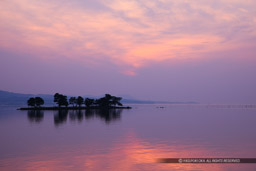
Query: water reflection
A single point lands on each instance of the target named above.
(35, 115)
(60, 117)
(145, 134)
(104, 114)
(107, 115)
(76, 115)
(130, 152)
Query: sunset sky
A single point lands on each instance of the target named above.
(172, 50)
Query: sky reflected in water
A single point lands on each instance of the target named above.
(126, 139)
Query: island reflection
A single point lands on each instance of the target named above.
(62, 116)
(36, 116)
(107, 115)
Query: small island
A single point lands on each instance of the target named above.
(76, 103)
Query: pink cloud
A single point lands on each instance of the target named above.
(129, 34)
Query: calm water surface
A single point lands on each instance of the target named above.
(126, 139)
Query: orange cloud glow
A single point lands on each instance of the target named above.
(128, 34)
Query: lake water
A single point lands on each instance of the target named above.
(127, 139)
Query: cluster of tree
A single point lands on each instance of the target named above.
(35, 101)
(62, 100)
(109, 100)
(106, 101)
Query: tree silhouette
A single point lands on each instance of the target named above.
(102, 102)
(60, 99)
(116, 101)
(79, 101)
(72, 101)
(56, 98)
(65, 101)
(108, 101)
(39, 101)
(31, 102)
(88, 102)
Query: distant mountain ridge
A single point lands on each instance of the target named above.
(10, 98)
(19, 99)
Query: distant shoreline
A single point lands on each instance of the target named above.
(73, 108)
